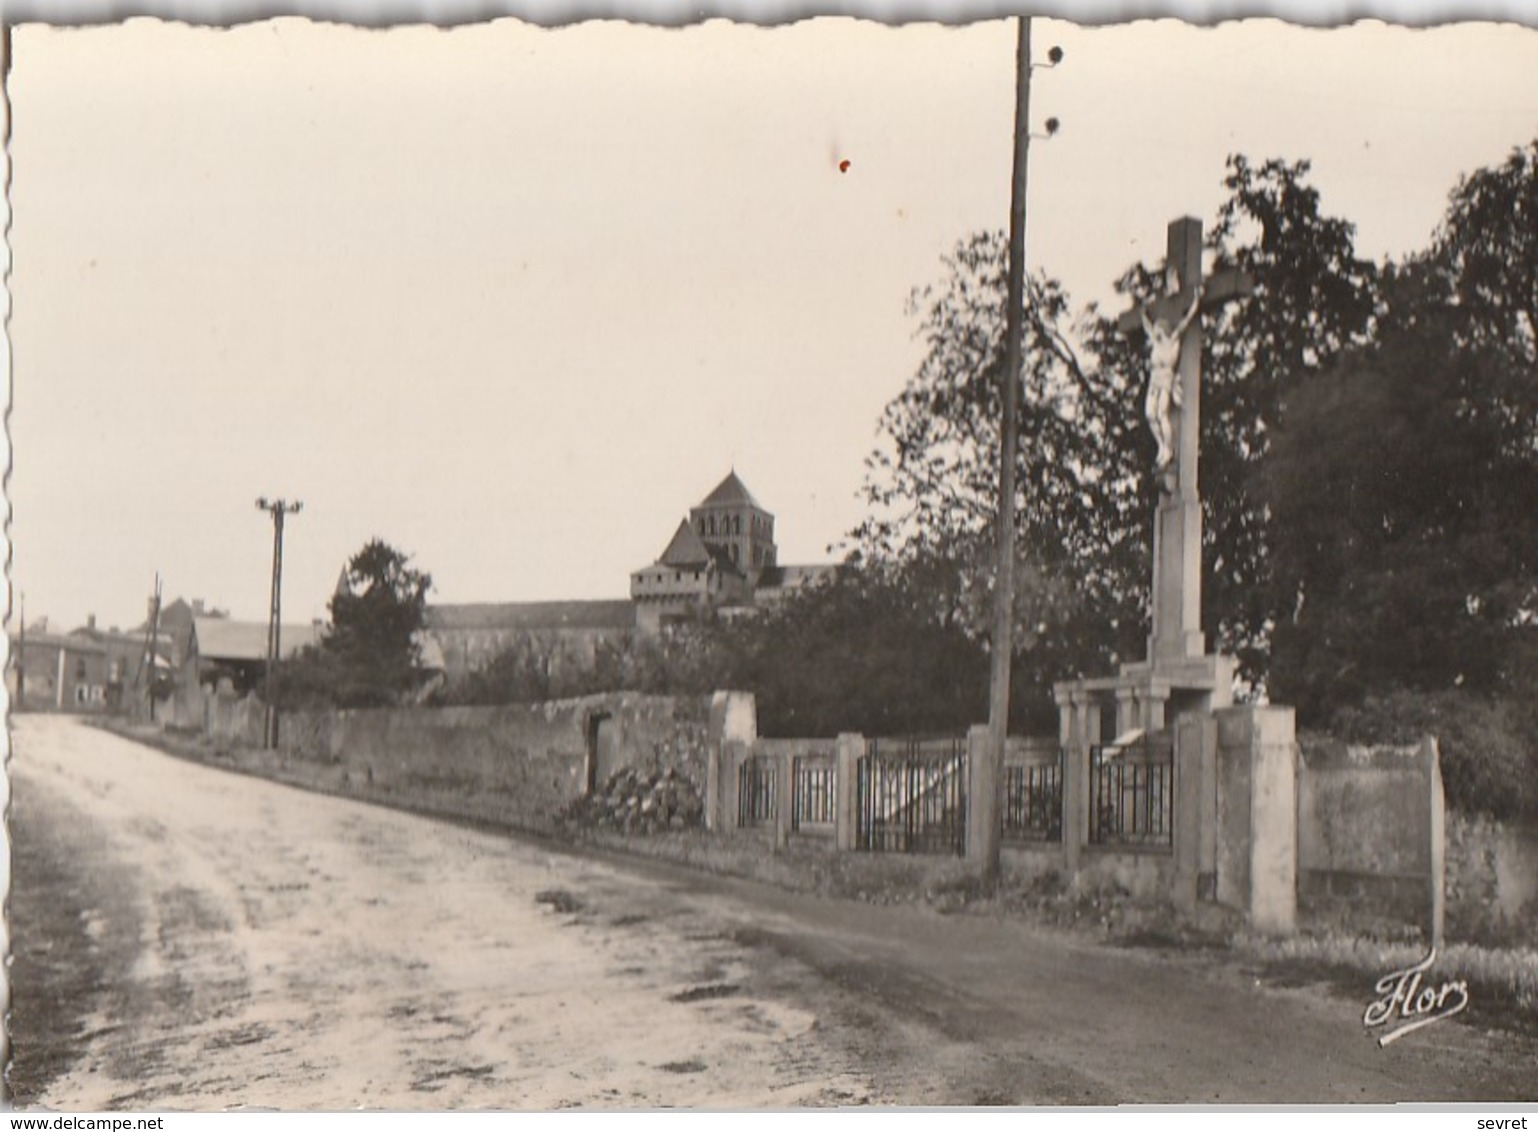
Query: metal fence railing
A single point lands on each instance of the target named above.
(1132, 794)
(911, 797)
(755, 791)
(1033, 801)
(814, 795)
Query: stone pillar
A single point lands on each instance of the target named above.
(1067, 714)
(715, 749)
(1075, 757)
(1257, 841)
(1127, 714)
(784, 789)
(850, 747)
(733, 715)
(733, 751)
(980, 780)
(1155, 698)
(1187, 840)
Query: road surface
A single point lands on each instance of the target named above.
(187, 938)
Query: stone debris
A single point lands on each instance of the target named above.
(637, 801)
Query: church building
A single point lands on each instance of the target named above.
(721, 561)
(716, 560)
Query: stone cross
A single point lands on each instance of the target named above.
(1177, 586)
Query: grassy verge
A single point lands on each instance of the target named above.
(1502, 982)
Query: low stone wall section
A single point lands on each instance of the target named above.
(1366, 817)
(1492, 879)
(519, 764)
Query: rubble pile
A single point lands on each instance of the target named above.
(640, 802)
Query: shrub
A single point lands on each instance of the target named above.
(1489, 758)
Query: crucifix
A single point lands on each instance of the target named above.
(1172, 324)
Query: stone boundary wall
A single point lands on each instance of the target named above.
(519, 765)
(1492, 879)
(1370, 840)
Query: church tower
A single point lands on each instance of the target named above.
(736, 529)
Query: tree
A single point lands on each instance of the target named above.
(1488, 245)
(370, 655)
(933, 483)
(1314, 299)
(862, 652)
(1404, 492)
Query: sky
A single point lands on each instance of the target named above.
(514, 299)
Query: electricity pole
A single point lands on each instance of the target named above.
(147, 665)
(992, 767)
(278, 509)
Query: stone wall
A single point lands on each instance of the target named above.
(1492, 879)
(518, 764)
(1366, 818)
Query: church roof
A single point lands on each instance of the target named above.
(730, 492)
(531, 615)
(685, 549)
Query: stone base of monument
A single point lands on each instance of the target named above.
(1229, 847)
(1147, 696)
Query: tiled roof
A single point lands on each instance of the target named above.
(793, 577)
(685, 550)
(532, 615)
(220, 638)
(730, 492)
(67, 641)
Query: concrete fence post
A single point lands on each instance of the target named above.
(1436, 832)
(850, 747)
(733, 751)
(1075, 757)
(1257, 815)
(1187, 832)
(980, 780)
(717, 756)
(784, 787)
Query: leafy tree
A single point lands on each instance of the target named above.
(1314, 299)
(862, 652)
(370, 655)
(933, 484)
(1404, 490)
(1488, 245)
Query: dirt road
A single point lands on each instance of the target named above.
(190, 939)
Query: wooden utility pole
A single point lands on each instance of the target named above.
(278, 509)
(992, 767)
(146, 675)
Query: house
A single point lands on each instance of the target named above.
(220, 648)
(58, 671)
(128, 684)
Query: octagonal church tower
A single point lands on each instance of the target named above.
(715, 560)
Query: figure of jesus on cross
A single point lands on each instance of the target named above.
(1174, 376)
(1164, 389)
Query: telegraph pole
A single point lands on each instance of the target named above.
(992, 766)
(146, 675)
(278, 508)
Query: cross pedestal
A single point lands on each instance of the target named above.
(1179, 674)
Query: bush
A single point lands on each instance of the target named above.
(1489, 758)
